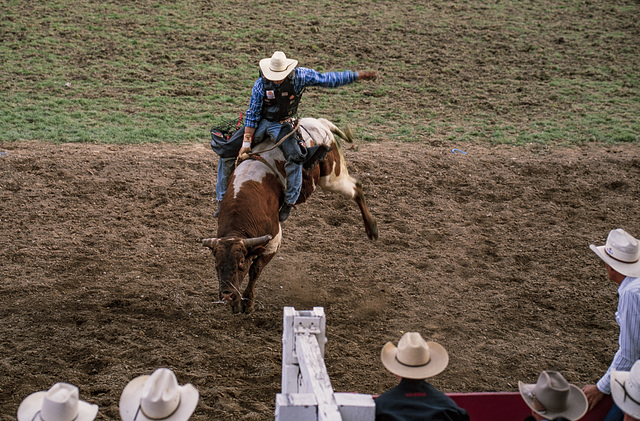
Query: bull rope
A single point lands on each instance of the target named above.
(258, 157)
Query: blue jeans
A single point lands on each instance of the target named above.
(225, 168)
(292, 153)
(614, 414)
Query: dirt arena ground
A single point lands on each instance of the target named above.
(104, 278)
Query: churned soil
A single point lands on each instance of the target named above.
(482, 249)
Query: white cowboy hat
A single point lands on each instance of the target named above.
(158, 397)
(414, 358)
(60, 403)
(278, 66)
(625, 389)
(552, 397)
(621, 252)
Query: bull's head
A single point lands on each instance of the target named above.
(233, 259)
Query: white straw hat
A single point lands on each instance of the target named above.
(414, 358)
(621, 252)
(278, 66)
(625, 389)
(553, 397)
(158, 397)
(60, 403)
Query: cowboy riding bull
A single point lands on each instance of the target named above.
(249, 230)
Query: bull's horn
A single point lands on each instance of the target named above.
(210, 242)
(250, 242)
(346, 135)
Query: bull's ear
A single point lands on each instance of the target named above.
(255, 250)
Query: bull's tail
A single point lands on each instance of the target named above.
(347, 134)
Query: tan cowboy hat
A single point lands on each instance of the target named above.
(60, 403)
(621, 252)
(278, 66)
(625, 389)
(552, 397)
(414, 358)
(158, 397)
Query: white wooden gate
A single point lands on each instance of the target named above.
(307, 393)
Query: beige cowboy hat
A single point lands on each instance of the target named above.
(625, 389)
(552, 397)
(60, 403)
(158, 397)
(621, 252)
(414, 358)
(278, 66)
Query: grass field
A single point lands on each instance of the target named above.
(499, 72)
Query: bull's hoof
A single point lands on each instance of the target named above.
(236, 307)
(247, 306)
(372, 231)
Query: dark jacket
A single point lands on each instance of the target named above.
(417, 400)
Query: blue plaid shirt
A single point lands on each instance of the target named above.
(628, 318)
(303, 77)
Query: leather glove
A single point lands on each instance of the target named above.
(241, 157)
(368, 75)
(246, 145)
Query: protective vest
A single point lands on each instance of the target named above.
(280, 101)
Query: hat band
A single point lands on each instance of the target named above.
(610, 254)
(142, 410)
(538, 406)
(624, 389)
(279, 71)
(412, 366)
(39, 415)
(542, 408)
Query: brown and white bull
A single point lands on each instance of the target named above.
(249, 232)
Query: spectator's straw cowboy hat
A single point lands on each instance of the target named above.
(621, 252)
(278, 66)
(158, 397)
(60, 403)
(625, 389)
(414, 358)
(553, 397)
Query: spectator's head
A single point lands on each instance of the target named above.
(60, 403)
(278, 67)
(625, 389)
(553, 397)
(414, 358)
(621, 252)
(158, 397)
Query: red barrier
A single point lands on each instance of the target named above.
(509, 406)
